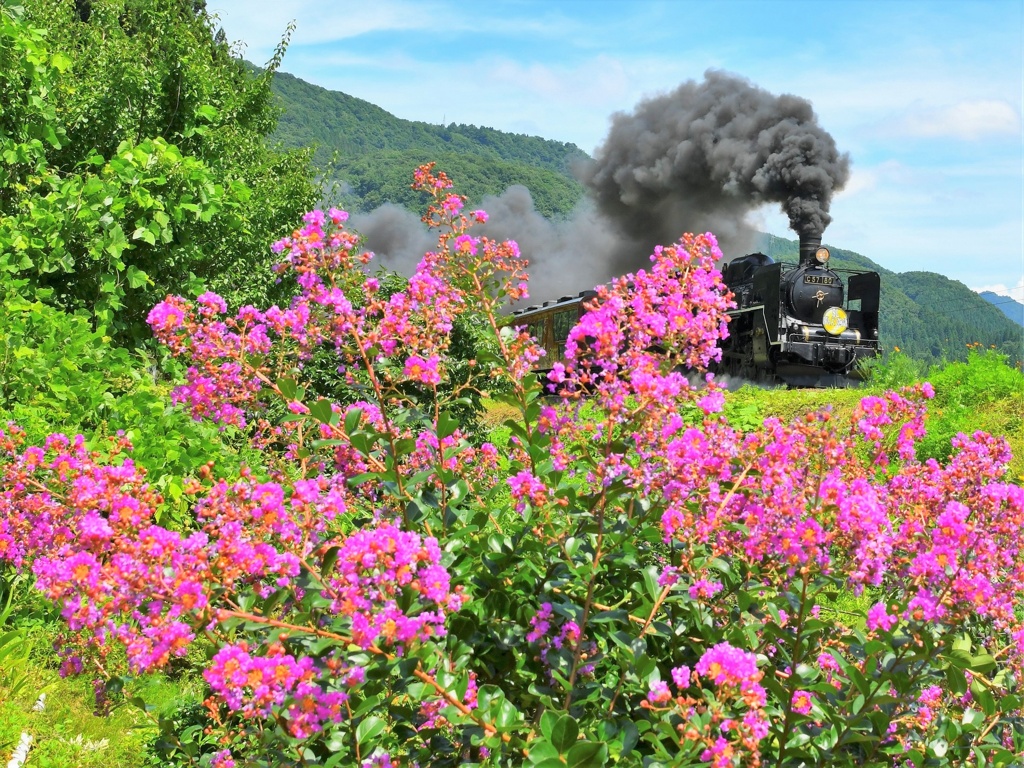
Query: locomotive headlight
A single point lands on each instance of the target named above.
(822, 255)
(834, 320)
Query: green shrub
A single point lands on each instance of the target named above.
(983, 393)
(895, 369)
(58, 374)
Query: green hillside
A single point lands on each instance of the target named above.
(366, 156)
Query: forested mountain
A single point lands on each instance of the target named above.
(1012, 309)
(367, 155)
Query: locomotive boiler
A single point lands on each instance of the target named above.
(806, 324)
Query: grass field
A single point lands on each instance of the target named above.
(67, 733)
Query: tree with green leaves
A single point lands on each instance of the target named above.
(133, 143)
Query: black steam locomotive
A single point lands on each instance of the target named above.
(805, 324)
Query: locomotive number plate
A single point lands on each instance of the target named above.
(819, 279)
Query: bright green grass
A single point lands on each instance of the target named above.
(67, 733)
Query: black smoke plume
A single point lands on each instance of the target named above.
(702, 158)
(397, 237)
(708, 154)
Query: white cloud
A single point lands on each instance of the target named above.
(569, 102)
(1016, 292)
(861, 180)
(968, 120)
(883, 176)
(601, 81)
(261, 23)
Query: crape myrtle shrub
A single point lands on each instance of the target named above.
(646, 586)
(468, 337)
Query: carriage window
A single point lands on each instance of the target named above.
(537, 330)
(564, 321)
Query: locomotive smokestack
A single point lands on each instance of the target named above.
(808, 245)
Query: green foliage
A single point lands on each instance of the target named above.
(892, 371)
(132, 147)
(67, 732)
(180, 738)
(76, 225)
(950, 318)
(982, 393)
(55, 371)
(15, 646)
(58, 374)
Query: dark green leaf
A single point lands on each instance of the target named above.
(586, 754)
(370, 728)
(564, 733)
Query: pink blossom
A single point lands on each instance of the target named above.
(659, 693)
(802, 702)
(423, 371)
(879, 618)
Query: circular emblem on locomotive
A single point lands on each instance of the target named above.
(834, 320)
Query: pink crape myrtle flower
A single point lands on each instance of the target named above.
(423, 371)
(879, 618)
(659, 693)
(802, 702)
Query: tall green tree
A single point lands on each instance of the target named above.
(134, 145)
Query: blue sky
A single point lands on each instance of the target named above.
(926, 97)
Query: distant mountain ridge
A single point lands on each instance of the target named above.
(367, 155)
(1012, 308)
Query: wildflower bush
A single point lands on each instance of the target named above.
(642, 584)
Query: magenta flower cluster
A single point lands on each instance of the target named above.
(343, 544)
(737, 721)
(87, 529)
(373, 568)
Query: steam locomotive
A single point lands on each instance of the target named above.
(807, 325)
